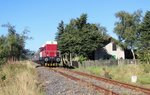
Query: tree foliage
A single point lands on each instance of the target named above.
(60, 30)
(127, 28)
(12, 46)
(144, 38)
(134, 32)
(80, 37)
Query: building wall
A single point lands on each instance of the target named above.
(119, 53)
(108, 53)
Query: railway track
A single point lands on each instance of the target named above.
(98, 88)
(125, 85)
(62, 71)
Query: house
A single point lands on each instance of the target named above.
(111, 50)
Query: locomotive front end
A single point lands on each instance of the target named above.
(49, 54)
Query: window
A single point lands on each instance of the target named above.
(114, 47)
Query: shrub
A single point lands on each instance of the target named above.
(82, 58)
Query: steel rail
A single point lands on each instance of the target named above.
(98, 88)
(125, 85)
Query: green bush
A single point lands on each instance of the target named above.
(82, 58)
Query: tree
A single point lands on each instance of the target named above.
(3, 52)
(60, 30)
(127, 28)
(82, 21)
(69, 39)
(144, 38)
(80, 37)
(12, 45)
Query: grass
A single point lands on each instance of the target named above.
(19, 79)
(122, 73)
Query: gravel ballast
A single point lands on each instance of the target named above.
(56, 84)
(112, 87)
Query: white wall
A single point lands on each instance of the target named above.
(119, 53)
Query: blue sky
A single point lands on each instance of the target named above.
(41, 17)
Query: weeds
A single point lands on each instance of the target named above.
(18, 79)
(122, 73)
(107, 74)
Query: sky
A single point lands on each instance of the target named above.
(41, 17)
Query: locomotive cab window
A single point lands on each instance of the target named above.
(114, 47)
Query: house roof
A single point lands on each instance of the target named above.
(111, 39)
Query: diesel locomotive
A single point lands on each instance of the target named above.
(48, 54)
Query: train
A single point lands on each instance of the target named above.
(48, 54)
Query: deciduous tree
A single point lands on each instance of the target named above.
(12, 46)
(127, 28)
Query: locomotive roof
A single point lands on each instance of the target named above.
(51, 42)
(48, 42)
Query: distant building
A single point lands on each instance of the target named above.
(111, 50)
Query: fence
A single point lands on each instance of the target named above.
(105, 62)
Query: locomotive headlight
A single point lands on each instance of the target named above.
(57, 59)
(46, 59)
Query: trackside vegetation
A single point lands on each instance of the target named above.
(16, 77)
(133, 31)
(122, 72)
(12, 45)
(19, 78)
(81, 38)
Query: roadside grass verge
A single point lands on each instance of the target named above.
(122, 72)
(19, 79)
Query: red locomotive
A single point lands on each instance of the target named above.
(49, 54)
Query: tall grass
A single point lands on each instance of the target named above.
(122, 72)
(18, 79)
